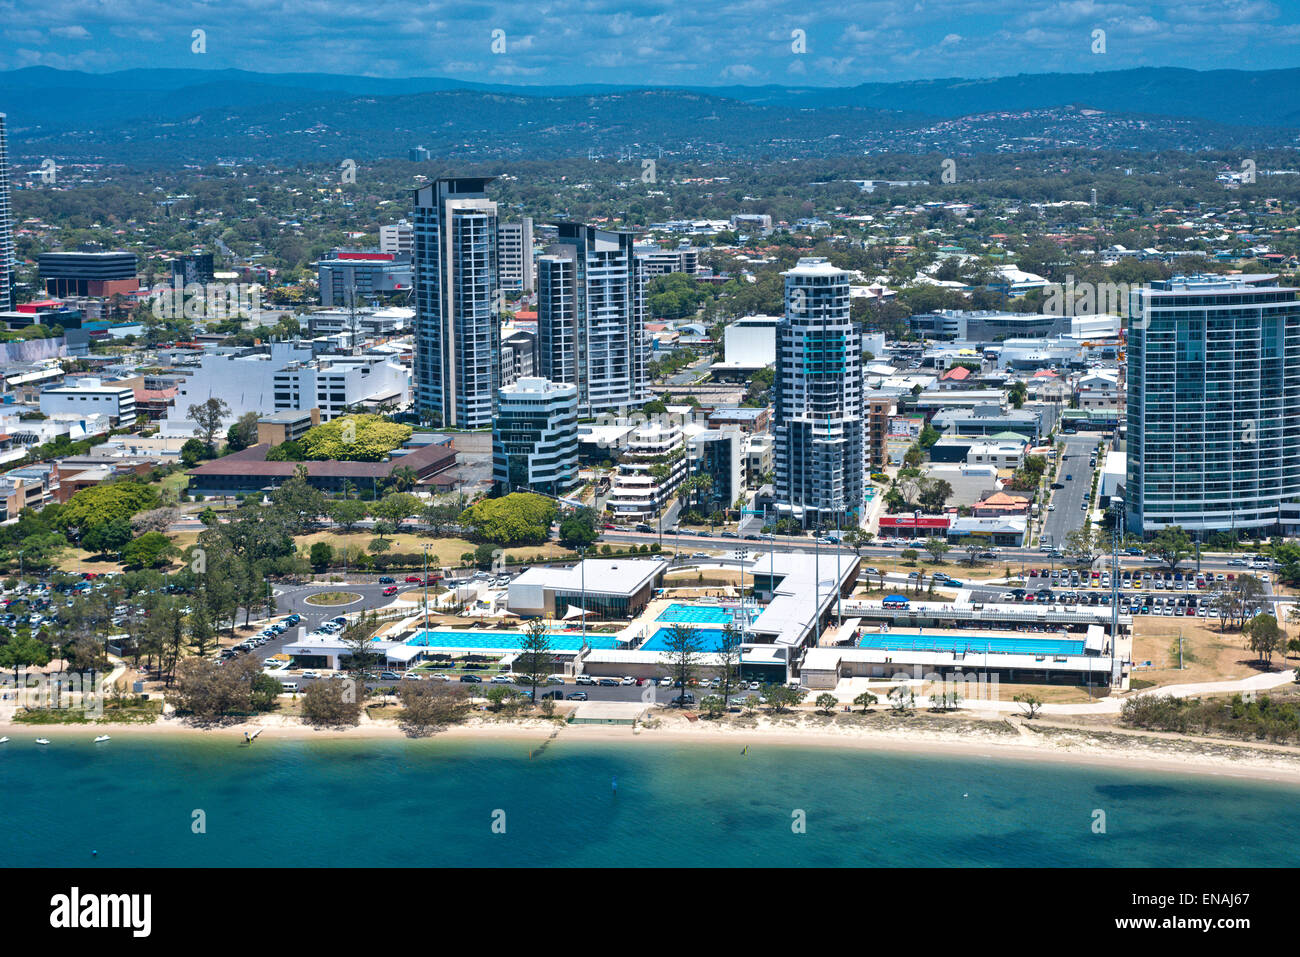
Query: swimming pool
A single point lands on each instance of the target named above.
(505, 640)
(972, 644)
(695, 614)
(710, 639)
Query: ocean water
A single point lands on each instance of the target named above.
(458, 803)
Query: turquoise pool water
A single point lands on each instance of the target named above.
(710, 639)
(504, 640)
(974, 644)
(695, 615)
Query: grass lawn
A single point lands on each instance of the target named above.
(443, 552)
(77, 560)
(332, 598)
(1208, 654)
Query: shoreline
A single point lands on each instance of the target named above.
(1111, 748)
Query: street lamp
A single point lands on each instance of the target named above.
(742, 554)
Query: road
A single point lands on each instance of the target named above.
(1069, 513)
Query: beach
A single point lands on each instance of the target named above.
(939, 736)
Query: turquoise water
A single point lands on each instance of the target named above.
(431, 803)
(505, 640)
(695, 615)
(710, 639)
(973, 644)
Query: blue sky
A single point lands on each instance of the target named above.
(704, 42)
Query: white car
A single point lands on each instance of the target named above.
(310, 674)
(272, 662)
(665, 682)
(628, 680)
(412, 676)
(503, 679)
(1051, 507)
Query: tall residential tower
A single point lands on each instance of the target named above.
(457, 333)
(1213, 403)
(8, 296)
(591, 318)
(818, 421)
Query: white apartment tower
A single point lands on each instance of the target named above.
(535, 437)
(457, 331)
(516, 255)
(818, 421)
(591, 318)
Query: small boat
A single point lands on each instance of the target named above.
(42, 740)
(102, 737)
(4, 740)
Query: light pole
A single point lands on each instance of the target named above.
(426, 589)
(741, 555)
(582, 574)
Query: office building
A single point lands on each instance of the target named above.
(591, 318)
(100, 274)
(516, 254)
(193, 268)
(457, 334)
(8, 262)
(360, 275)
(818, 422)
(535, 437)
(89, 396)
(1213, 403)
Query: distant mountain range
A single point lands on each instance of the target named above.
(172, 115)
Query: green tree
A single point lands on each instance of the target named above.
(683, 651)
(578, 528)
(536, 657)
(242, 433)
(107, 538)
(24, 651)
(347, 513)
(148, 551)
(207, 418)
(1171, 545)
(322, 555)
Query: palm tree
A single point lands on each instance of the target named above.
(403, 478)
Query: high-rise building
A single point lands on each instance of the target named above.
(457, 333)
(1213, 384)
(535, 437)
(591, 317)
(818, 422)
(396, 238)
(517, 270)
(8, 294)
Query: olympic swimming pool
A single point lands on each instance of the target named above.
(972, 644)
(505, 640)
(695, 615)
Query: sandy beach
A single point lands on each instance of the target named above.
(997, 740)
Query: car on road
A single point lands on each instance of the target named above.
(701, 555)
(390, 590)
(412, 676)
(608, 682)
(577, 696)
(1069, 478)
(471, 679)
(389, 676)
(1051, 507)
(644, 528)
(1084, 505)
(310, 674)
(414, 580)
(387, 580)
(628, 680)
(729, 535)
(503, 679)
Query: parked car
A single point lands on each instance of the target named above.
(503, 679)
(608, 682)
(471, 679)
(682, 700)
(577, 696)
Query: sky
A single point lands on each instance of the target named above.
(643, 43)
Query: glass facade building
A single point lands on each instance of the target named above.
(1213, 403)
